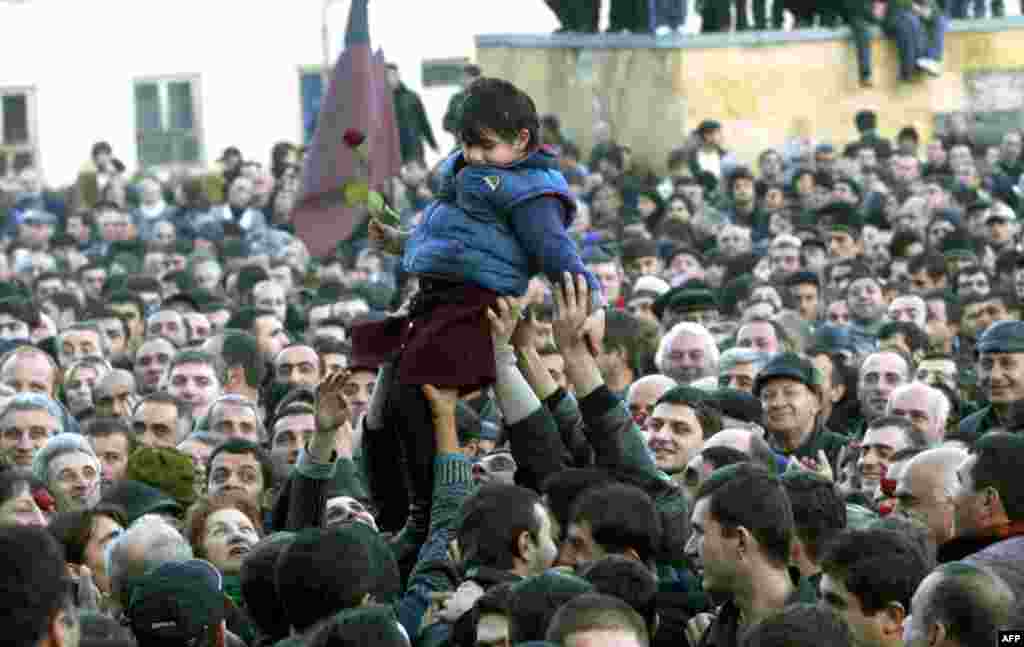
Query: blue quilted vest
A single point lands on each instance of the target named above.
(465, 234)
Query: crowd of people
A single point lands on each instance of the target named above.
(569, 400)
(662, 17)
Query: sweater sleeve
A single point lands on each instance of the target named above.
(453, 483)
(539, 224)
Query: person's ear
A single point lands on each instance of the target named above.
(523, 141)
(936, 634)
(838, 392)
(524, 544)
(234, 376)
(796, 551)
(745, 543)
(892, 619)
(63, 627)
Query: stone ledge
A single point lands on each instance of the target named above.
(711, 41)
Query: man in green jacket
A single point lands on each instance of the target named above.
(411, 117)
(1000, 376)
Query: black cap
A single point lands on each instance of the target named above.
(177, 603)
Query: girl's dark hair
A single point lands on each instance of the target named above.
(494, 104)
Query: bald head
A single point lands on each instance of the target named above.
(926, 487)
(645, 392)
(739, 439)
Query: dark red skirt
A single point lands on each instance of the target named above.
(445, 340)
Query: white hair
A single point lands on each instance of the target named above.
(937, 403)
(696, 330)
(736, 355)
(918, 304)
(786, 240)
(146, 544)
(63, 443)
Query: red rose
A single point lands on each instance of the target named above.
(353, 138)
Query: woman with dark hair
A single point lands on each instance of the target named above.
(23, 500)
(85, 535)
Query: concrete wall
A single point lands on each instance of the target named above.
(764, 87)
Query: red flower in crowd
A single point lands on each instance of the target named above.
(353, 138)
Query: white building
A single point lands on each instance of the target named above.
(183, 80)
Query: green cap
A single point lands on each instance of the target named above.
(790, 366)
(842, 216)
(688, 297)
(1002, 337)
(166, 469)
(957, 245)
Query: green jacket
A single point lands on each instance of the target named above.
(821, 440)
(453, 115)
(979, 423)
(619, 447)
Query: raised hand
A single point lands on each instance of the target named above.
(331, 408)
(526, 335)
(504, 320)
(385, 238)
(575, 324)
(442, 401)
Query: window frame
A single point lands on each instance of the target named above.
(11, 151)
(163, 82)
(325, 81)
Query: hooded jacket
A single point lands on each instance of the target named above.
(474, 231)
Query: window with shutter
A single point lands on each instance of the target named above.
(17, 130)
(167, 124)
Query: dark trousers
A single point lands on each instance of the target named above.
(905, 28)
(630, 15)
(958, 8)
(715, 16)
(862, 43)
(577, 15)
(671, 13)
(399, 457)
